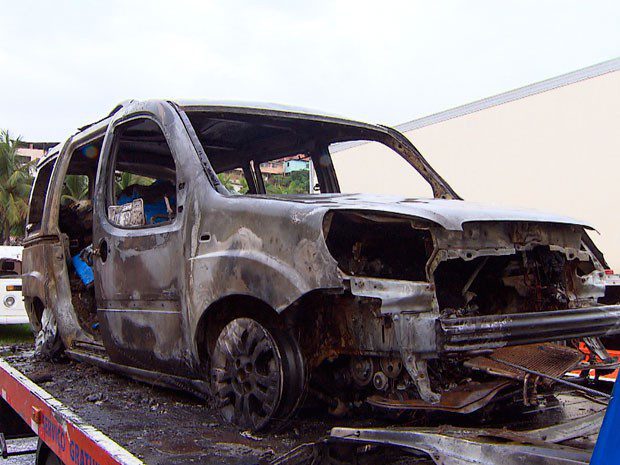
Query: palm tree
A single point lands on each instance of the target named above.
(15, 184)
(124, 179)
(75, 188)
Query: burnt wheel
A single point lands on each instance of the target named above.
(48, 343)
(257, 374)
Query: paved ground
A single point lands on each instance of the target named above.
(20, 445)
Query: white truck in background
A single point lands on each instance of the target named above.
(12, 310)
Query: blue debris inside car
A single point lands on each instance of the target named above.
(156, 210)
(83, 268)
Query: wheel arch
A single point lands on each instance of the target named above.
(34, 308)
(224, 310)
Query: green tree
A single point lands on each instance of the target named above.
(15, 185)
(274, 184)
(299, 182)
(227, 181)
(296, 182)
(75, 188)
(235, 184)
(245, 188)
(123, 179)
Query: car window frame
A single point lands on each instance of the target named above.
(51, 162)
(108, 173)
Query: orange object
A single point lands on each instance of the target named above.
(608, 377)
(36, 415)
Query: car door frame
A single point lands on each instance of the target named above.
(44, 259)
(145, 327)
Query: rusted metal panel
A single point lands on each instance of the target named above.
(551, 359)
(466, 398)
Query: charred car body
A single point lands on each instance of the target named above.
(161, 271)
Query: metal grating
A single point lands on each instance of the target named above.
(548, 358)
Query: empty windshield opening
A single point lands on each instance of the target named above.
(275, 154)
(359, 166)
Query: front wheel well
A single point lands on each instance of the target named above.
(223, 311)
(34, 309)
(38, 307)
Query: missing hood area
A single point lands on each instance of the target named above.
(459, 320)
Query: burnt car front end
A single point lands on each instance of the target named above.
(401, 303)
(512, 283)
(449, 319)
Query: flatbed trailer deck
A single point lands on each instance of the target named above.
(112, 419)
(156, 425)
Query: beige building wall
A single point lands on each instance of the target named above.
(556, 151)
(33, 154)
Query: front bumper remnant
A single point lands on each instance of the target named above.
(466, 334)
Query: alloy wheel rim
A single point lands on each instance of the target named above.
(247, 374)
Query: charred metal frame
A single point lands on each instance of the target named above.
(488, 332)
(163, 292)
(454, 446)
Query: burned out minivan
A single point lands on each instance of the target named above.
(208, 247)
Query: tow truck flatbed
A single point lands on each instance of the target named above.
(115, 420)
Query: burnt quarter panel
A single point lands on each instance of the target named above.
(216, 252)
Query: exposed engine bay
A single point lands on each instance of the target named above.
(439, 340)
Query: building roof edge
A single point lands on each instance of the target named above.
(583, 74)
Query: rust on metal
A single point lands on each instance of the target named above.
(466, 398)
(551, 359)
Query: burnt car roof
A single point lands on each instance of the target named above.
(274, 110)
(265, 108)
(232, 106)
(449, 214)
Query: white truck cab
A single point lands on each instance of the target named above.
(12, 310)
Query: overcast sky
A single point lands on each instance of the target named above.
(64, 64)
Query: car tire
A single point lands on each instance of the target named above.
(257, 375)
(47, 342)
